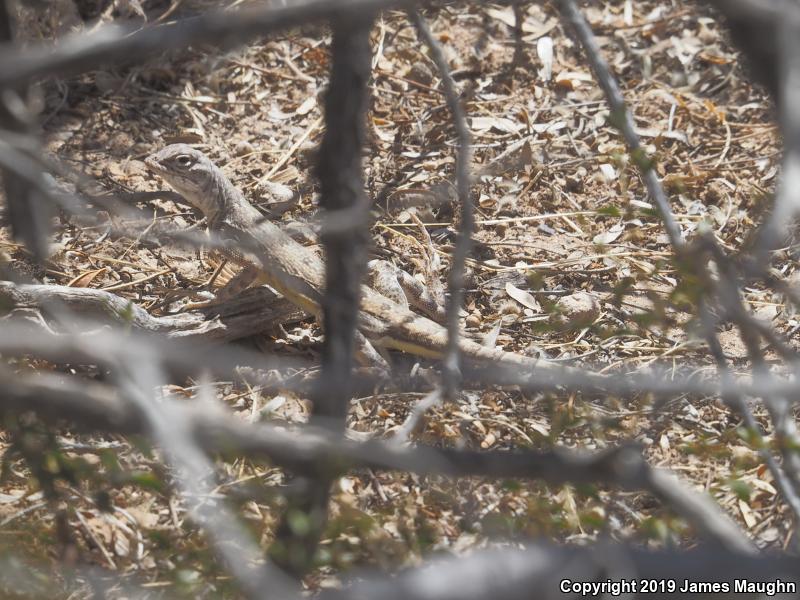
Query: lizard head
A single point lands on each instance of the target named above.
(188, 171)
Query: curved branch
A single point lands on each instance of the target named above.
(255, 311)
(113, 44)
(317, 452)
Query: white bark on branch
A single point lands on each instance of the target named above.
(256, 311)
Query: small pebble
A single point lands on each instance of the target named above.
(580, 306)
(244, 147)
(421, 73)
(473, 320)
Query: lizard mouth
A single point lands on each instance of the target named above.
(153, 165)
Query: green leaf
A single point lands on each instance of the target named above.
(609, 211)
(641, 160)
(740, 488)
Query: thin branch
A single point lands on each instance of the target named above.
(621, 118)
(786, 207)
(28, 212)
(114, 44)
(259, 578)
(779, 406)
(83, 342)
(451, 373)
(340, 173)
(319, 453)
(549, 571)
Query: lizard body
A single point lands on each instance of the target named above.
(270, 256)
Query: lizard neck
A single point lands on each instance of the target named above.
(219, 198)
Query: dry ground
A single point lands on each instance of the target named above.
(568, 214)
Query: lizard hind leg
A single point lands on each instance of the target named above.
(238, 283)
(368, 356)
(232, 288)
(404, 289)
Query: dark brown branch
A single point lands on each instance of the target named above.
(755, 28)
(28, 213)
(341, 193)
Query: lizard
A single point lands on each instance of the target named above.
(268, 255)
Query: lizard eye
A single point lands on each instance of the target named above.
(184, 160)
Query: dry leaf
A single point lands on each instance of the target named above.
(764, 486)
(539, 30)
(550, 127)
(273, 405)
(490, 339)
(129, 8)
(567, 501)
(307, 106)
(525, 298)
(748, 515)
(498, 123)
(84, 279)
(544, 50)
(627, 13)
(608, 237)
(539, 427)
(572, 79)
(608, 172)
(146, 519)
(659, 133)
(101, 528)
(504, 15)
(276, 114)
(122, 545)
